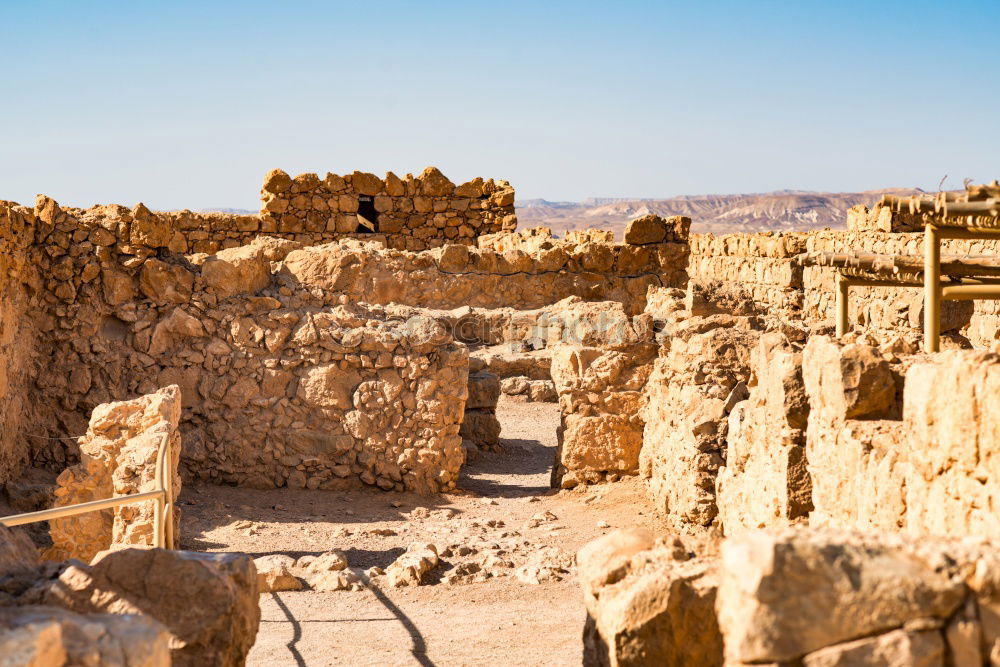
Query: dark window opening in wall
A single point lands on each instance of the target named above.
(367, 215)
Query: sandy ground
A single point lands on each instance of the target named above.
(498, 621)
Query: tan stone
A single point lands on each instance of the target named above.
(48, 636)
(162, 585)
(645, 606)
(118, 457)
(165, 283)
(432, 183)
(237, 271)
(898, 648)
(788, 593)
(412, 567)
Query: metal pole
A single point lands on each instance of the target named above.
(159, 508)
(79, 508)
(932, 289)
(842, 285)
(970, 292)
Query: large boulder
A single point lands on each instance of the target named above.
(647, 602)
(51, 637)
(788, 593)
(207, 601)
(242, 270)
(18, 554)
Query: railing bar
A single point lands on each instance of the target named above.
(81, 508)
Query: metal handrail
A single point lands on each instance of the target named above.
(163, 525)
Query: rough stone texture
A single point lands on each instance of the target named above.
(17, 337)
(52, 637)
(785, 594)
(685, 413)
(207, 601)
(284, 387)
(654, 229)
(412, 567)
(762, 267)
(899, 647)
(952, 444)
(480, 424)
(412, 213)
(600, 390)
(486, 278)
(118, 457)
(18, 554)
(647, 604)
(855, 452)
(765, 482)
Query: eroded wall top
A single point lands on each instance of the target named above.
(414, 213)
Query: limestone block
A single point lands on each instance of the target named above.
(481, 427)
(484, 391)
(647, 604)
(647, 229)
(48, 636)
(219, 629)
(952, 444)
(118, 457)
(165, 283)
(853, 381)
(899, 647)
(237, 271)
(788, 593)
(150, 229)
(412, 567)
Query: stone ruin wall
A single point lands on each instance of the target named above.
(413, 213)
(247, 331)
(16, 336)
(506, 273)
(762, 268)
(428, 212)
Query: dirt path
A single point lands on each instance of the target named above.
(499, 620)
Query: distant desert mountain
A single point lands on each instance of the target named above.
(784, 210)
(238, 211)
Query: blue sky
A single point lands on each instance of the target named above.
(188, 104)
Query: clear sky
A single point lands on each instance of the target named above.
(188, 104)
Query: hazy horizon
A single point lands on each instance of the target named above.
(188, 106)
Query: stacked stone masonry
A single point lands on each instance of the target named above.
(762, 267)
(413, 213)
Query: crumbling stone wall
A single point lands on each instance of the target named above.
(414, 213)
(456, 275)
(16, 336)
(762, 267)
(789, 596)
(281, 384)
(764, 481)
(118, 457)
(951, 423)
(599, 379)
(693, 386)
(855, 439)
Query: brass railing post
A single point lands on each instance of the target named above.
(842, 306)
(932, 289)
